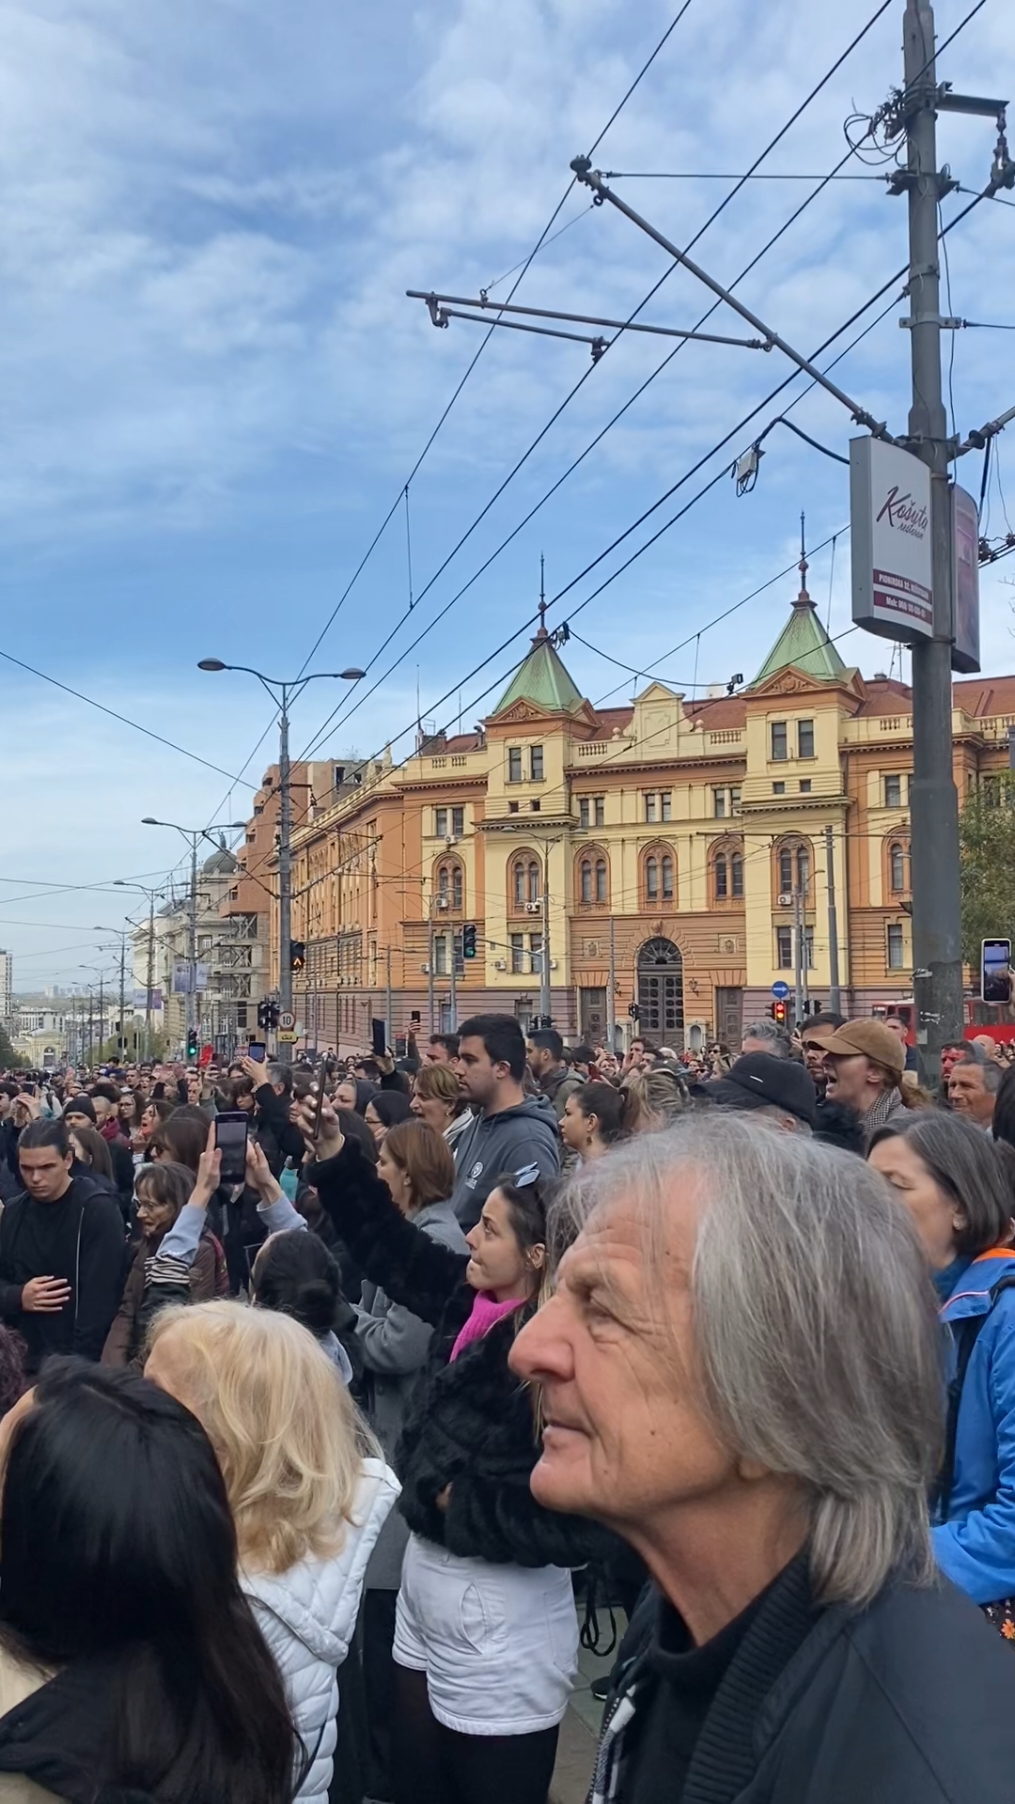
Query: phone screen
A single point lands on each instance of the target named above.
(995, 970)
(256, 1050)
(231, 1141)
(378, 1037)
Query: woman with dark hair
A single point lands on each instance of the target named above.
(594, 1119)
(957, 1187)
(161, 1191)
(182, 1137)
(385, 1111)
(130, 1659)
(295, 1274)
(354, 1093)
(92, 1151)
(13, 1354)
(486, 1633)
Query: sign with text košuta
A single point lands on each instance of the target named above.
(889, 493)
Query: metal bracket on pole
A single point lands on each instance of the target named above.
(592, 178)
(445, 307)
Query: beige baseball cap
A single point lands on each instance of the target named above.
(870, 1037)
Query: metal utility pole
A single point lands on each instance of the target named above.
(611, 987)
(453, 993)
(545, 1005)
(799, 954)
(193, 836)
(143, 890)
(388, 1013)
(933, 802)
(429, 979)
(834, 991)
(283, 694)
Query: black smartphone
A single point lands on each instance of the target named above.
(256, 1050)
(378, 1037)
(231, 1141)
(995, 970)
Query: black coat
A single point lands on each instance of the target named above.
(906, 1702)
(81, 1239)
(471, 1422)
(276, 1136)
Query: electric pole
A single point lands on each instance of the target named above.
(545, 1006)
(834, 991)
(933, 802)
(611, 1008)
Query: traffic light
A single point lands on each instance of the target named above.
(468, 940)
(263, 1016)
(297, 955)
(192, 1043)
(779, 1012)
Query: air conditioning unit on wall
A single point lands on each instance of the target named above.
(500, 964)
(785, 901)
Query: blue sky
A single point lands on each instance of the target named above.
(214, 387)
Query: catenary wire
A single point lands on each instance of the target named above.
(327, 724)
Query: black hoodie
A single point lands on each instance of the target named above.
(80, 1238)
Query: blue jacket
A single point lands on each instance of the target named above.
(975, 1546)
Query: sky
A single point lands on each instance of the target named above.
(215, 388)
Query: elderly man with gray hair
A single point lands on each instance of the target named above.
(741, 1373)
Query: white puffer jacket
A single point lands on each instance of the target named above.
(307, 1616)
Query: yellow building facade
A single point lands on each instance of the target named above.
(684, 850)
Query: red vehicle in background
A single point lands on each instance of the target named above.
(979, 1018)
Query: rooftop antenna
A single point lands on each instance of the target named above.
(542, 633)
(803, 600)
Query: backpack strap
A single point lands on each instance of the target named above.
(966, 1334)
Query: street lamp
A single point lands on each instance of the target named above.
(193, 836)
(283, 694)
(143, 890)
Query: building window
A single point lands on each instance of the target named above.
(536, 763)
(803, 870)
(536, 953)
(586, 880)
(666, 804)
(780, 747)
(805, 786)
(585, 812)
(533, 880)
(534, 807)
(785, 872)
(517, 954)
(897, 867)
(784, 948)
(440, 955)
(600, 810)
(721, 878)
(518, 884)
(805, 738)
(512, 807)
(735, 797)
(778, 789)
(737, 874)
(896, 952)
(601, 880)
(666, 870)
(458, 822)
(893, 792)
(719, 804)
(440, 823)
(514, 764)
(651, 802)
(991, 787)
(652, 879)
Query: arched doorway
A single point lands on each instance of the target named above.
(661, 992)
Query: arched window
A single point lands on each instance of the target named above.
(803, 870)
(533, 881)
(666, 867)
(586, 880)
(721, 878)
(785, 871)
(518, 884)
(897, 867)
(652, 879)
(737, 874)
(601, 880)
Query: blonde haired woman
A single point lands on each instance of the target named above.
(307, 1504)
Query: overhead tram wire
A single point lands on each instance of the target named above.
(805, 103)
(537, 247)
(523, 268)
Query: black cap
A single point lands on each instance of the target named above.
(759, 1081)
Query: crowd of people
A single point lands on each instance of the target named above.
(310, 1474)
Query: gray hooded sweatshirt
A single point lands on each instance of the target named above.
(515, 1140)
